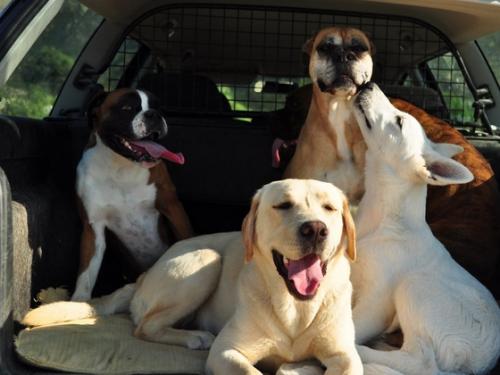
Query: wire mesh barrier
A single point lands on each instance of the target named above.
(243, 61)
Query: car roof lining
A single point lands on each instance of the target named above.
(460, 20)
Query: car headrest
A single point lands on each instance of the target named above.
(185, 92)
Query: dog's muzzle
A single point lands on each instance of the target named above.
(303, 276)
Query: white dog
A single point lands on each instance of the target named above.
(292, 297)
(404, 277)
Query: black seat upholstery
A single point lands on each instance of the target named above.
(423, 97)
(185, 92)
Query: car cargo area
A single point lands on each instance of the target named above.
(222, 73)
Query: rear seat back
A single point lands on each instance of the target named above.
(185, 92)
(423, 97)
(226, 162)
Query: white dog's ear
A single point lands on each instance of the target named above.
(447, 149)
(440, 170)
(248, 227)
(349, 230)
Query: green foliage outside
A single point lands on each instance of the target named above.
(490, 45)
(3, 4)
(451, 82)
(33, 87)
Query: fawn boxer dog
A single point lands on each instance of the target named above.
(292, 296)
(123, 185)
(330, 148)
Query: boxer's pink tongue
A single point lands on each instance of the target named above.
(158, 151)
(306, 274)
(278, 142)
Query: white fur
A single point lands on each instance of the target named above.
(116, 195)
(404, 276)
(138, 123)
(339, 114)
(345, 175)
(200, 276)
(144, 100)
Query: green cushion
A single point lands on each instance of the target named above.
(104, 345)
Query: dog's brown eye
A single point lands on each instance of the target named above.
(283, 206)
(127, 108)
(328, 207)
(399, 121)
(358, 49)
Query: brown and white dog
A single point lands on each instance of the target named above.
(123, 185)
(340, 61)
(330, 148)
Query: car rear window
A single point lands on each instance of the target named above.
(33, 87)
(490, 46)
(243, 61)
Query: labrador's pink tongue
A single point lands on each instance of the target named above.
(158, 151)
(306, 274)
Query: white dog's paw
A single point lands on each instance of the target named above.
(302, 368)
(200, 340)
(376, 369)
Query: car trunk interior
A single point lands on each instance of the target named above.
(222, 73)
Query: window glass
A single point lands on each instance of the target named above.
(34, 85)
(125, 54)
(3, 4)
(262, 95)
(490, 45)
(454, 91)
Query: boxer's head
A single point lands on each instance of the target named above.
(340, 60)
(130, 123)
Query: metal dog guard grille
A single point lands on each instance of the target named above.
(223, 60)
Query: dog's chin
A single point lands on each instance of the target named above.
(283, 270)
(344, 85)
(362, 101)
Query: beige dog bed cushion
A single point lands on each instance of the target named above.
(104, 345)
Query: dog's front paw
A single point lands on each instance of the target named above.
(303, 368)
(375, 369)
(200, 340)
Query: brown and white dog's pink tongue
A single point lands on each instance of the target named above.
(157, 151)
(306, 274)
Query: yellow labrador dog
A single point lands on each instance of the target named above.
(292, 296)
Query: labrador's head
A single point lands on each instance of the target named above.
(299, 225)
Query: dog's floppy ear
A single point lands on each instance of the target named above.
(307, 47)
(349, 230)
(248, 227)
(93, 106)
(373, 49)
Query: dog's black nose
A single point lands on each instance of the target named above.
(155, 135)
(313, 231)
(151, 113)
(368, 86)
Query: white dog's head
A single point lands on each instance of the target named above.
(399, 140)
(299, 225)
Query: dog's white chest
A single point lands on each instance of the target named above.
(116, 195)
(339, 115)
(346, 177)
